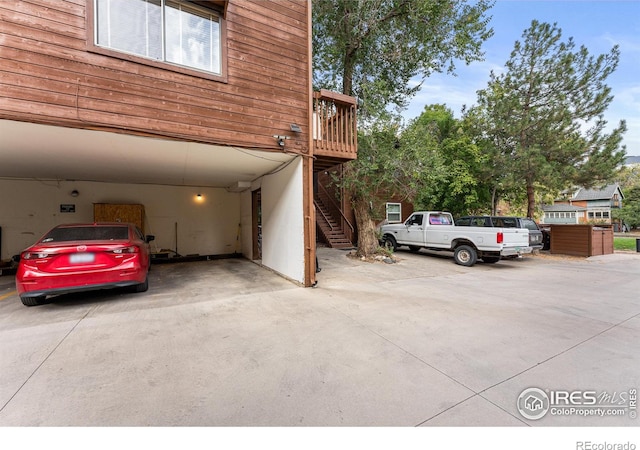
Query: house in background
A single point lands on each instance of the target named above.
(203, 112)
(586, 206)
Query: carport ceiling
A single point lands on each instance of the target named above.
(32, 151)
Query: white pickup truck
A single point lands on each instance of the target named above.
(435, 230)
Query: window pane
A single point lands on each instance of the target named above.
(393, 207)
(438, 219)
(394, 212)
(192, 38)
(529, 224)
(132, 26)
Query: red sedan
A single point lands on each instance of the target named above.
(83, 257)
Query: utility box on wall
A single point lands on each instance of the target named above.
(110, 212)
(582, 240)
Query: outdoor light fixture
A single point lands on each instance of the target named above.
(281, 139)
(295, 128)
(75, 193)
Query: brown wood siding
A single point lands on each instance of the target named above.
(581, 240)
(47, 75)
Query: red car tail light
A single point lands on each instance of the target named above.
(500, 237)
(125, 250)
(35, 255)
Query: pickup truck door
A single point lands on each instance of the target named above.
(413, 231)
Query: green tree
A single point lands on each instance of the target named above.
(629, 177)
(543, 118)
(457, 163)
(385, 168)
(374, 50)
(630, 211)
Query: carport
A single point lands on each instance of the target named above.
(199, 199)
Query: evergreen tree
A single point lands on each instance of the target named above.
(543, 118)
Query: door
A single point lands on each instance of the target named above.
(413, 231)
(256, 223)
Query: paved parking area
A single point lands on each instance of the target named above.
(420, 343)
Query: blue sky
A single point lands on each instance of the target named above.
(596, 24)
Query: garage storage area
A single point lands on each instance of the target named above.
(185, 220)
(35, 207)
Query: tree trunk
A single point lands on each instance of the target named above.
(531, 199)
(494, 200)
(367, 238)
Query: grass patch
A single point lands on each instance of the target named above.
(624, 243)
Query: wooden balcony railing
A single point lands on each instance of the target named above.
(334, 126)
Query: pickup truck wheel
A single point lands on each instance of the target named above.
(389, 242)
(465, 255)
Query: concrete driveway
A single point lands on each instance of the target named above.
(420, 343)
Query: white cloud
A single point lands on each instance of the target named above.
(627, 44)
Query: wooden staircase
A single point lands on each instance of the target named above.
(328, 227)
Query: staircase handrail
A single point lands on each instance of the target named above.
(337, 207)
(318, 209)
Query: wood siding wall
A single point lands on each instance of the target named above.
(48, 75)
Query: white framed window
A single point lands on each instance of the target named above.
(394, 212)
(171, 31)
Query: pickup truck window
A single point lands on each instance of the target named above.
(529, 224)
(415, 220)
(439, 219)
(505, 222)
(480, 222)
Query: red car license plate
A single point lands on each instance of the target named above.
(80, 258)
